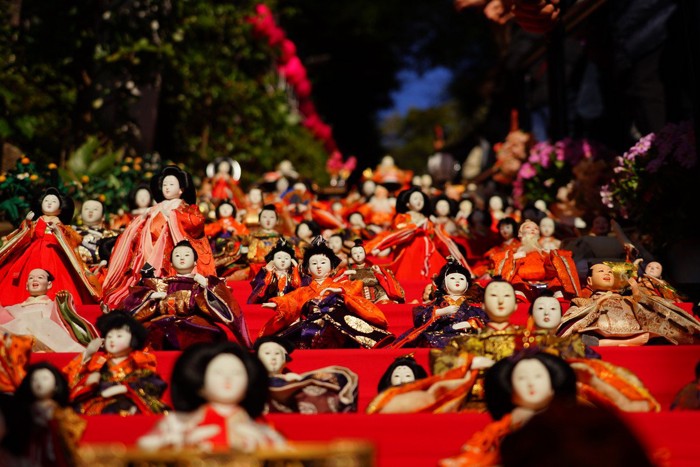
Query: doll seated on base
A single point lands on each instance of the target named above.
(218, 391)
(279, 276)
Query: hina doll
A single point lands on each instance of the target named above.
(54, 325)
(140, 200)
(279, 276)
(185, 308)
(55, 429)
(263, 240)
(507, 227)
(516, 389)
(47, 243)
(617, 319)
(331, 389)
(419, 248)
(444, 210)
(448, 316)
(221, 183)
(378, 282)
(335, 243)
(225, 237)
(547, 240)
(651, 283)
(218, 390)
(123, 379)
(150, 238)
(92, 230)
(304, 233)
(403, 370)
(326, 313)
(380, 208)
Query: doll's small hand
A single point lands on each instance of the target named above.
(270, 266)
(480, 363)
(349, 272)
(93, 346)
(201, 433)
(331, 290)
(201, 280)
(376, 251)
(461, 325)
(448, 310)
(269, 305)
(158, 295)
(93, 378)
(295, 263)
(114, 391)
(376, 269)
(29, 216)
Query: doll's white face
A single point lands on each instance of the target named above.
(368, 188)
(268, 219)
(337, 207)
(442, 208)
(299, 188)
(91, 212)
(426, 181)
(496, 203)
(171, 187)
(225, 210)
(402, 374)
(51, 205)
(304, 232)
(456, 283)
(319, 266)
(335, 244)
(43, 384)
(142, 199)
(465, 207)
(499, 301)
(529, 229)
(416, 201)
(183, 259)
(532, 385)
(547, 227)
(225, 380)
(273, 356)
(546, 311)
(282, 185)
(118, 341)
(654, 269)
(601, 278)
(255, 195)
(356, 220)
(38, 282)
(282, 260)
(506, 231)
(358, 254)
(224, 167)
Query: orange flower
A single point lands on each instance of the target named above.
(84, 179)
(125, 168)
(25, 160)
(52, 166)
(102, 198)
(2, 178)
(33, 177)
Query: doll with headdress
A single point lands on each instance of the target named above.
(379, 284)
(46, 243)
(331, 389)
(150, 238)
(326, 313)
(279, 276)
(55, 429)
(121, 380)
(448, 316)
(185, 308)
(218, 390)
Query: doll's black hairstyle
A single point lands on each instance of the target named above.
(286, 344)
(189, 194)
(509, 221)
(544, 293)
(65, 202)
(105, 247)
(186, 244)
(119, 319)
(225, 203)
(268, 207)
(406, 360)
(281, 246)
(136, 189)
(404, 196)
(452, 267)
(313, 227)
(498, 384)
(452, 203)
(319, 247)
(359, 243)
(190, 368)
(49, 276)
(61, 394)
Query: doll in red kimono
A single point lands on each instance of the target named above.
(150, 238)
(326, 313)
(379, 284)
(279, 277)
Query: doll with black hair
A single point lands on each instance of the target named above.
(449, 315)
(404, 369)
(92, 228)
(226, 236)
(55, 428)
(379, 284)
(121, 380)
(304, 233)
(444, 211)
(185, 308)
(140, 199)
(279, 276)
(46, 243)
(264, 239)
(507, 229)
(331, 389)
(326, 313)
(516, 388)
(218, 390)
(419, 249)
(150, 238)
(335, 243)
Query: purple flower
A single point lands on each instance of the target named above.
(606, 196)
(527, 171)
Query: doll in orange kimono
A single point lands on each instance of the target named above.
(420, 249)
(379, 284)
(226, 239)
(221, 183)
(150, 237)
(47, 243)
(121, 381)
(279, 277)
(326, 313)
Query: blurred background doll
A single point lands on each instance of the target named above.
(379, 284)
(404, 369)
(263, 240)
(140, 200)
(92, 229)
(279, 276)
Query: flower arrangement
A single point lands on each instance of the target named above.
(339, 170)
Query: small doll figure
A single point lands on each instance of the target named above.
(123, 379)
(499, 305)
(547, 240)
(225, 235)
(55, 428)
(335, 242)
(218, 391)
(444, 211)
(652, 283)
(48, 243)
(92, 230)
(54, 324)
(185, 308)
(404, 369)
(688, 398)
(304, 233)
(331, 389)
(221, 183)
(516, 388)
(507, 227)
(253, 205)
(279, 277)
(379, 284)
(263, 240)
(140, 200)
(617, 319)
(449, 315)
(150, 238)
(226, 225)
(326, 313)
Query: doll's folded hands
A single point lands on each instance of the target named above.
(114, 391)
